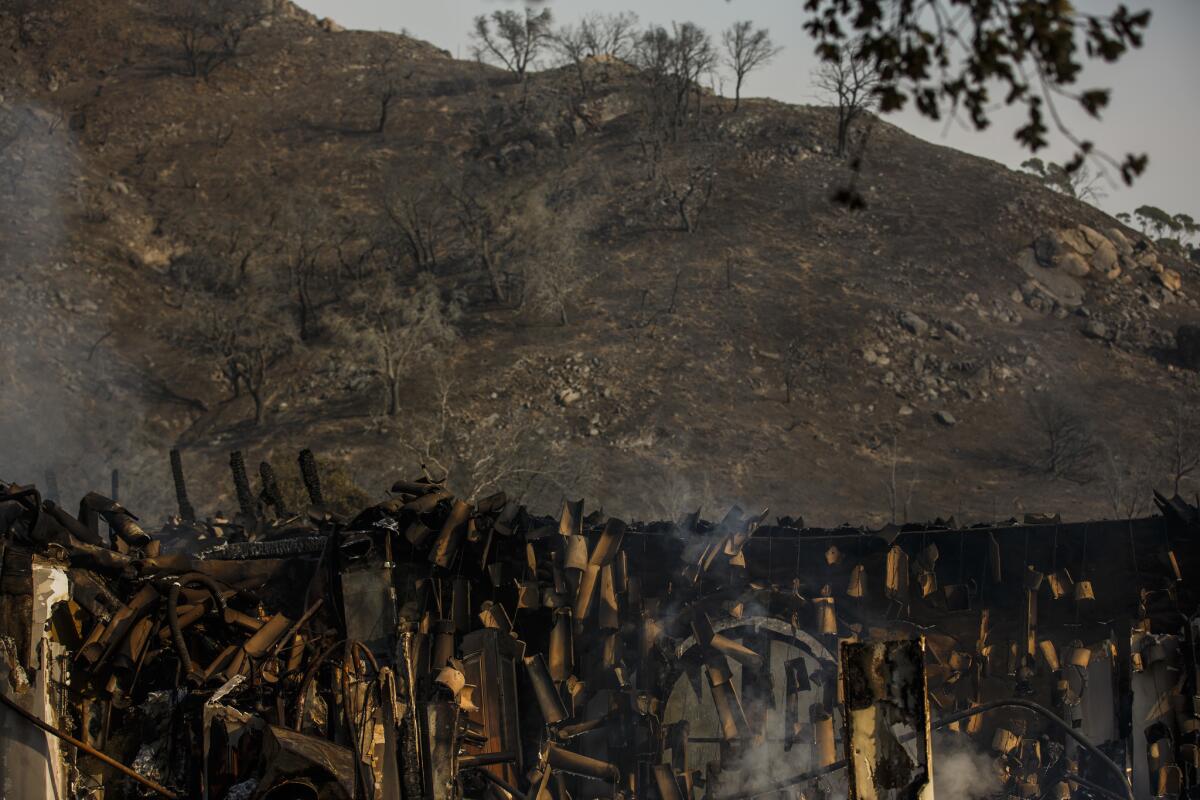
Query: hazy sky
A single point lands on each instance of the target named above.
(1156, 90)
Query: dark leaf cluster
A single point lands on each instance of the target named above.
(948, 56)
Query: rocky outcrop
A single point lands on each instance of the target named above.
(1084, 252)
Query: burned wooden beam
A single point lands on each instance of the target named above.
(885, 700)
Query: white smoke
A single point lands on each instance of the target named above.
(961, 770)
(66, 403)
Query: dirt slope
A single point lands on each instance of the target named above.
(916, 330)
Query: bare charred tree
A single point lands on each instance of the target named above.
(307, 254)
(395, 327)
(849, 82)
(241, 340)
(388, 78)
(652, 144)
(899, 506)
(484, 229)
(746, 49)
(417, 214)
(222, 249)
(1181, 447)
(610, 35)
(551, 260)
(513, 39)
(1068, 445)
(795, 364)
(476, 452)
(260, 346)
(596, 36)
(211, 330)
(687, 187)
(237, 244)
(355, 251)
(1082, 183)
(672, 62)
(28, 19)
(210, 33)
(1126, 483)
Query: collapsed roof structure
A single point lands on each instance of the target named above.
(431, 648)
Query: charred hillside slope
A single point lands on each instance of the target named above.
(687, 317)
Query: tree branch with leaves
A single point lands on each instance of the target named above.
(950, 55)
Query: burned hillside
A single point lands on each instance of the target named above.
(431, 647)
(203, 256)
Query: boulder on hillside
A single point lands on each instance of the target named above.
(1074, 265)
(1053, 246)
(1077, 241)
(1171, 279)
(1119, 241)
(1048, 248)
(1104, 258)
(1094, 329)
(1092, 236)
(913, 324)
(1058, 285)
(1187, 346)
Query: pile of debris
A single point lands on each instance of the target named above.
(431, 648)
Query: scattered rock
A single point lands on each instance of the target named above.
(957, 330)
(569, 396)
(1171, 279)
(905, 411)
(945, 417)
(1094, 329)
(913, 324)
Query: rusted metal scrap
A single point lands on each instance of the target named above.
(432, 648)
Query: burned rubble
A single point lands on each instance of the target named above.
(433, 648)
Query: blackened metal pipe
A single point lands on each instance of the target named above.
(192, 578)
(311, 476)
(486, 759)
(186, 512)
